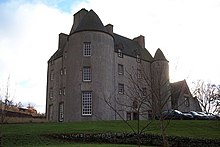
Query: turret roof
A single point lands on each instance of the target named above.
(91, 21)
(159, 55)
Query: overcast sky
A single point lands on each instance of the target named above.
(187, 31)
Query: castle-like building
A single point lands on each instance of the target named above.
(97, 74)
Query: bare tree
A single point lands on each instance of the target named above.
(6, 103)
(208, 96)
(146, 97)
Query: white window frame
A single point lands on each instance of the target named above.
(121, 88)
(87, 49)
(87, 74)
(86, 103)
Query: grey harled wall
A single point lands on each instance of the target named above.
(101, 63)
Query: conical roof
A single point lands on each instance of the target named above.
(91, 22)
(159, 55)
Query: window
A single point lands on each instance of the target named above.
(65, 54)
(138, 73)
(144, 92)
(135, 104)
(50, 112)
(87, 49)
(61, 71)
(52, 62)
(120, 53)
(128, 115)
(64, 91)
(121, 88)
(86, 74)
(61, 111)
(138, 59)
(51, 93)
(87, 103)
(60, 91)
(120, 69)
(64, 70)
(51, 75)
(186, 101)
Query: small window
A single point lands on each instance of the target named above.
(128, 115)
(64, 70)
(135, 105)
(60, 91)
(186, 101)
(120, 69)
(87, 103)
(52, 62)
(50, 113)
(120, 54)
(138, 59)
(65, 54)
(144, 92)
(138, 73)
(51, 75)
(51, 93)
(61, 112)
(86, 74)
(87, 49)
(61, 71)
(64, 91)
(121, 88)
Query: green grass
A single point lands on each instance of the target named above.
(92, 145)
(31, 134)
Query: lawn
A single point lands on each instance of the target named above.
(31, 134)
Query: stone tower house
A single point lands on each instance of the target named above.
(93, 64)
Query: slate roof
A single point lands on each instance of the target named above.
(131, 48)
(91, 22)
(176, 88)
(159, 55)
(56, 55)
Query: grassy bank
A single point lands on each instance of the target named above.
(31, 134)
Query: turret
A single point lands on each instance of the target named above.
(160, 82)
(90, 53)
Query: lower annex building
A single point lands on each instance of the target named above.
(97, 74)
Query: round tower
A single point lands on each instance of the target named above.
(161, 95)
(89, 62)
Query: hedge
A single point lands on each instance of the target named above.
(131, 138)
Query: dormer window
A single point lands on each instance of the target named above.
(120, 53)
(138, 59)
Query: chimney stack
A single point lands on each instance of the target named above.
(109, 28)
(140, 40)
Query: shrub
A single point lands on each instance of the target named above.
(131, 138)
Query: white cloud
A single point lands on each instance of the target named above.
(187, 32)
(27, 44)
